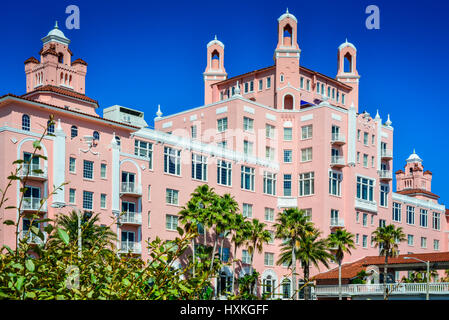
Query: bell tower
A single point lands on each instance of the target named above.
(215, 71)
(286, 57)
(347, 70)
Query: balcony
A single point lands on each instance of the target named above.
(386, 154)
(337, 223)
(134, 218)
(337, 161)
(131, 189)
(31, 238)
(385, 175)
(30, 170)
(130, 247)
(338, 139)
(33, 204)
(378, 289)
(287, 202)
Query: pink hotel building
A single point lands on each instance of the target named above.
(278, 137)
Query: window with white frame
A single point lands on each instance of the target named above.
(246, 87)
(149, 192)
(423, 218)
(269, 153)
(224, 173)
(384, 189)
(260, 84)
(171, 196)
(247, 210)
(246, 257)
(436, 245)
(410, 215)
(410, 239)
(171, 222)
(268, 82)
(103, 201)
(306, 154)
(357, 216)
(288, 134)
(287, 185)
(103, 170)
(358, 157)
(436, 220)
(172, 161)
(365, 219)
(306, 183)
(423, 242)
(357, 238)
(247, 178)
(271, 241)
(222, 124)
(269, 214)
(343, 98)
(269, 259)
(88, 200)
(199, 167)
(301, 82)
(72, 165)
(144, 149)
(365, 189)
(72, 194)
(247, 147)
(306, 132)
(193, 131)
(365, 241)
(222, 144)
(88, 169)
(335, 179)
(308, 212)
(308, 85)
(365, 160)
(248, 124)
(397, 211)
(269, 183)
(269, 131)
(288, 158)
(26, 123)
(365, 138)
(318, 88)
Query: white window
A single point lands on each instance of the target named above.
(372, 161)
(222, 144)
(365, 241)
(357, 238)
(171, 222)
(247, 210)
(88, 200)
(410, 215)
(246, 257)
(149, 192)
(251, 86)
(410, 239)
(423, 218)
(373, 138)
(384, 188)
(268, 82)
(306, 154)
(26, 122)
(287, 134)
(282, 77)
(248, 124)
(224, 173)
(246, 87)
(193, 131)
(222, 124)
(269, 183)
(149, 219)
(436, 245)
(306, 184)
(172, 161)
(287, 185)
(365, 160)
(365, 189)
(247, 178)
(171, 196)
(318, 88)
(88, 169)
(103, 201)
(260, 84)
(343, 98)
(358, 157)
(269, 131)
(335, 179)
(308, 212)
(247, 148)
(269, 153)
(269, 214)
(288, 156)
(357, 216)
(199, 167)
(397, 212)
(306, 132)
(72, 193)
(144, 149)
(301, 83)
(365, 219)
(365, 138)
(358, 134)
(436, 221)
(423, 242)
(269, 258)
(308, 85)
(72, 165)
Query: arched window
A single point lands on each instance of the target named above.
(282, 77)
(74, 131)
(62, 78)
(60, 57)
(50, 127)
(348, 63)
(286, 289)
(287, 35)
(215, 59)
(117, 138)
(288, 102)
(268, 286)
(70, 80)
(66, 79)
(26, 122)
(96, 135)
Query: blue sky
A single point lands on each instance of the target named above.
(135, 48)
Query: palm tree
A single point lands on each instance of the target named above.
(388, 239)
(257, 237)
(91, 232)
(340, 243)
(240, 233)
(311, 251)
(291, 225)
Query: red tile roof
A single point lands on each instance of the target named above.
(417, 191)
(80, 61)
(350, 270)
(32, 59)
(62, 91)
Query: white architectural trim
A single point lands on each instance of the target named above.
(418, 202)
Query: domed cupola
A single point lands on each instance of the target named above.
(56, 35)
(413, 158)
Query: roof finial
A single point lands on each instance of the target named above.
(414, 152)
(159, 113)
(56, 25)
(237, 89)
(388, 122)
(286, 11)
(377, 115)
(215, 37)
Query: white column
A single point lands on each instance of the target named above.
(59, 164)
(115, 171)
(379, 139)
(352, 117)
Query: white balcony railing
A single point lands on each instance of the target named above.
(130, 188)
(378, 289)
(337, 222)
(385, 174)
(338, 138)
(287, 202)
(337, 161)
(31, 237)
(33, 204)
(386, 153)
(130, 247)
(29, 169)
(131, 218)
